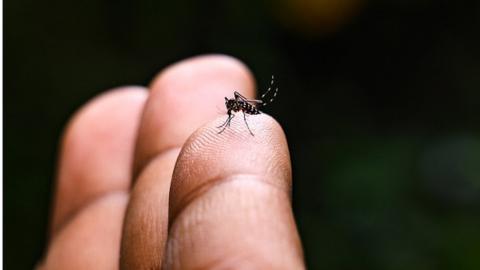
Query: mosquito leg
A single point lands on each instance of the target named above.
(226, 124)
(269, 88)
(226, 121)
(246, 123)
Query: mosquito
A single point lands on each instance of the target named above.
(246, 106)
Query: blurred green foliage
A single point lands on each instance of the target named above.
(380, 102)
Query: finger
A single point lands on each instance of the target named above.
(97, 149)
(91, 239)
(230, 200)
(183, 97)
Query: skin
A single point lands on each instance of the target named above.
(146, 182)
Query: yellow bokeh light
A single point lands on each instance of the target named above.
(317, 17)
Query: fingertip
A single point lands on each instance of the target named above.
(209, 156)
(230, 199)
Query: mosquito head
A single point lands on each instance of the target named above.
(229, 103)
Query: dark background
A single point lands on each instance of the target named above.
(380, 101)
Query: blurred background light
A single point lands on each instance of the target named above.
(317, 17)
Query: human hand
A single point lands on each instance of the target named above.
(137, 190)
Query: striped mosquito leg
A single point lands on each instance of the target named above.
(246, 123)
(269, 88)
(265, 103)
(274, 95)
(226, 123)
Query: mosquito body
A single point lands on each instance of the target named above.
(246, 106)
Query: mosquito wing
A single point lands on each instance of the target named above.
(239, 96)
